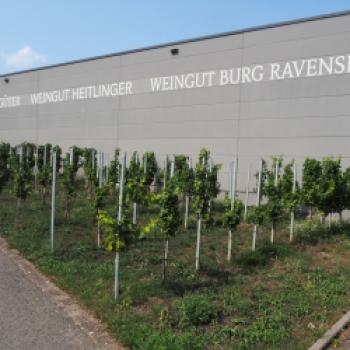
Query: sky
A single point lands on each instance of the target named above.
(40, 32)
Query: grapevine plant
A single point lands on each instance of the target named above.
(169, 218)
(184, 175)
(312, 172)
(272, 190)
(290, 193)
(117, 237)
(325, 187)
(213, 185)
(44, 159)
(90, 169)
(22, 165)
(233, 210)
(346, 177)
(205, 181)
(4, 164)
(118, 231)
(99, 203)
(150, 168)
(136, 185)
(113, 172)
(71, 166)
(332, 187)
(167, 222)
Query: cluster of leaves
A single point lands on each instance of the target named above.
(138, 179)
(168, 220)
(5, 149)
(205, 185)
(137, 186)
(72, 163)
(233, 211)
(100, 199)
(290, 191)
(262, 256)
(90, 168)
(257, 215)
(184, 175)
(325, 185)
(280, 192)
(22, 163)
(44, 165)
(150, 168)
(272, 190)
(325, 189)
(312, 171)
(117, 235)
(195, 310)
(113, 170)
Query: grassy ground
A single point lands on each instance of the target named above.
(281, 297)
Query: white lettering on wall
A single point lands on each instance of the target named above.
(11, 101)
(182, 81)
(82, 93)
(276, 71)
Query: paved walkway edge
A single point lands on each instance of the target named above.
(331, 333)
(93, 328)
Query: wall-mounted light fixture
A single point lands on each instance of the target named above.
(174, 51)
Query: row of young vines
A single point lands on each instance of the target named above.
(174, 187)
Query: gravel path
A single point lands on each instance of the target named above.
(35, 315)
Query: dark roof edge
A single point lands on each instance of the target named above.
(206, 37)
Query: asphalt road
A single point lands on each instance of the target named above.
(30, 319)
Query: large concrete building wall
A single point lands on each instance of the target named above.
(298, 117)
